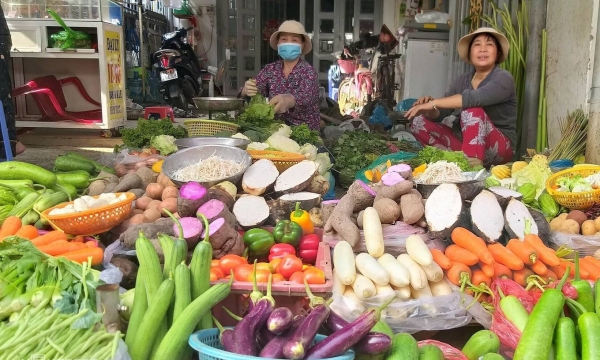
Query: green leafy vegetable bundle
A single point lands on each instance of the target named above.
(431, 154)
(142, 135)
(356, 149)
(302, 134)
(258, 113)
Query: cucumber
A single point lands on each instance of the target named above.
(99, 167)
(68, 163)
(492, 356)
(481, 343)
(404, 346)
(430, 352)
(17, 170)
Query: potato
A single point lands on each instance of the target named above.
(152, 215)
(597, 253)
(578, 216)
(169, 204)
(588, 227)
(563, 216)
(138, 219)
(597, 223)
(569, 226)
(170, 192)
(155, 191)
(142, 203)
(164, 180)
(388, 210)
(154, 204)
(556, 223)
(136, 212)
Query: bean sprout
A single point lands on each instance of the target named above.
(441, 172)
(209, 169)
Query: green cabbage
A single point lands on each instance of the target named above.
(165, 144)
(324, 162)
(282, 143)
(309, 150)
(257, 146)
(284, 130)
(536, 173)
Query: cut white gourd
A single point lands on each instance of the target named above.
(251, 211)
(296, 178)
(259, 177)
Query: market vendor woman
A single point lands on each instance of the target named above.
(291, 84)
(484, 100)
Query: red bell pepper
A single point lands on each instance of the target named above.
(308, 248)
(278, 251)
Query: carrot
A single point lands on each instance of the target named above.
(505, 257)
(502, 272)
(461, 255)
(547, 255)
(28, 232)
(559, 271)
(78, 239)
(479, 277)
(11, 225)
(590, 267)
(521, 276)
(467, 240)
(582, 272)
(48, 238)
(441, 259)
(59, 247)
(82, 255)
(551, 276)
(524, 251)
(91, 244)
(539, 268)
(488, 270)
(593, 261)
(459, 273)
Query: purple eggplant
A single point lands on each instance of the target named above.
(303, 337)
(225, 336)
(373, 343)
(274, 348)
(280, 320)
(264, 336)
(244, 333)
(255, 295)
(342, 340)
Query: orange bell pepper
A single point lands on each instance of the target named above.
(314, 275)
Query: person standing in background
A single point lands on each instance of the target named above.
(6, 88)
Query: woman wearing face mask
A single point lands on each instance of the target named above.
(484, 100)
(291, 84)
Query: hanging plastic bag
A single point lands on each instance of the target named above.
(585, 244)
(68, 38)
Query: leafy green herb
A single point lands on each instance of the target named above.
(431, 154)
(142, 134)
(258, 113)
(302, 134)
(355, 150)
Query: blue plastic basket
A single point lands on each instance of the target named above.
(208, 346)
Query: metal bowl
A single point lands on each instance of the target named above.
(468, 189)
(202, 141)
(194, 155)
(218, 103)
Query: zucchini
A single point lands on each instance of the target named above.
(481, 343)
(430, 352)
(200, 272)
(404, 346)
(69, 163)
(47, 201)
(156, 314)
(183, 291)
(99, 167)
(166, 244)
(17, 170)
(24, 205)
(175, 343)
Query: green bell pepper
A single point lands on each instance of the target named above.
(258, 242)
(287, 232)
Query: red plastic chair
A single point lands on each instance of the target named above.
(49, 97)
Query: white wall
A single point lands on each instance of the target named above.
(205, 32)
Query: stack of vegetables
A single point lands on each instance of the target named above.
(47, 306)
(576, 222)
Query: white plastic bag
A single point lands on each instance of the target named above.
(124, 162)
(435, 17)
(586, 245)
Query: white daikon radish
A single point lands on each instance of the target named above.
(434, 272)
(384, 293)
(343, 262)
(418, 278)
(338, 287)
(369, 267)
(402, 292)
(421, 293)
(418, 251)
(373, 232)
(399, 275)
(440, 288)
(355, 303)
(363, 287)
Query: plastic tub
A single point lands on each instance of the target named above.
(208, 346)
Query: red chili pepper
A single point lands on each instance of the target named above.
(308, 248)
(280, 250)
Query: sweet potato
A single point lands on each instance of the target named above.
(147, 175)
(214, 209)
(192, 229)
(155, 191)
(191, 196)
(223, 196)
(169, 204)
(138, 219)
(154, 204)
(170, 192)
(225, 239)
(387, 209)
(137, 192)
(142, 203)
(109, 188)
(128, 182)
(412, 207)
(97, 187)
(136, 212)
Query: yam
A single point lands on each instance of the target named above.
(137, 192)
(109, 188)
(278, 210)
(147, 175)
(318, 185)
(191, 196)
(393, 192)
(97, 187)
(387, 210)
(487, 217)
(251, 211)
(327, 208)
(341, 220)
(128, 269)
(128, 182)
(444, 211)
(154, 191)
(307, 200)
(192, 229)
(296, 178)
(150, 230)
(169, 204)
(170, 192)
(315, 217)
(142, 203)
(542, 224)
(228, 187)
(223, 196)
(411, 206)
(259, 177)
(214, 209)
(516, 216)
(363, 195)
(225, 239)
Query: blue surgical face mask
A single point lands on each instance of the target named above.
(289, 51)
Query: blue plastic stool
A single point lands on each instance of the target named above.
(5, 139)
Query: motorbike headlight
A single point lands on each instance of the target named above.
(169, 36)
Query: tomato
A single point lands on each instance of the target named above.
(213, 275)
(297, 277)
(214, 262)
(262, 276)
(231, 262)
(265, 266)
(243, 272)
(275, 263)
(289, 265)
(304, 267)
(217, 270)
(277, 278)
(314, 275)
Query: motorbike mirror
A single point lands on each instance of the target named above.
(190, 28)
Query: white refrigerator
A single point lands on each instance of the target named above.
(425, 68)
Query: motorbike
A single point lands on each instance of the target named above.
(179, 69)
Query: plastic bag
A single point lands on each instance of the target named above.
(380, 116)
(124, 162)
(433, 313)
(433, 17)
(122, 353)
(68, 38)
(586, 245)
(380, 163)
(450, 352)
(394, 238)
(111, 274)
